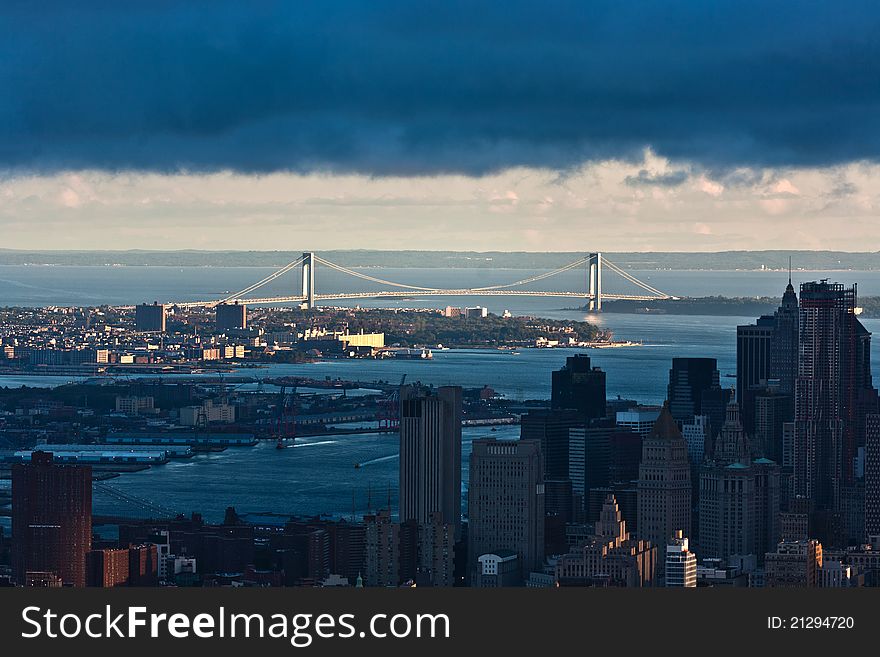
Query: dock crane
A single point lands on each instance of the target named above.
(389, 408)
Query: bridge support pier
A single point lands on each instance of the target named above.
(308, 279)
(594, 281)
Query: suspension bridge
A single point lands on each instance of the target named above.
(593, 265)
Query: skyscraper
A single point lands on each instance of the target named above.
(681, 563)
(766, 358)
(430, 455)
(832, 383)
(506, 503)
(664, 490)
(51, 519)
(579, 386)
(551, 428)
(872, 475)
(695, 389)
(784, 345)
(753, 356)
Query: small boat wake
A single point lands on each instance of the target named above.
(381, 459)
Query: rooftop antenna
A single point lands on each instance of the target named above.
(789, 270)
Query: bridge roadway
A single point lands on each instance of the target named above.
(398, 294)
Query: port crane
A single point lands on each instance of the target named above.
(389, 408)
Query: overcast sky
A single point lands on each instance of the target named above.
(610, 125)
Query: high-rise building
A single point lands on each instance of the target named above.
(688, 378)
(579, 386)
(51, 519)
(664, 490)
(772, 409)
(382, 550)
(727, 500)
(694, 389)
(149, 318)
(640, 419)
(784, 345)
(681, 563)
(753, 354)
(506, 503)
(872, 474)
(609, 556)
(589, 458)
(107, 568)
(739, 497)
(430, 454)
(696, 434)
(230, 316)
(551, 428)
(436, 554)
(833, 392)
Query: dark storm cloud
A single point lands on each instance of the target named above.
(669, 179)
(398, 87)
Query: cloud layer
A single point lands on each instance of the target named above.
(383, 87)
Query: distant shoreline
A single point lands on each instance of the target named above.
(772, 262)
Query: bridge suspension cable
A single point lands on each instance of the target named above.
(271, 277)
(532, 279)
(632, 279)
(351, 272)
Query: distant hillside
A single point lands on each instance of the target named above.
(726, 260)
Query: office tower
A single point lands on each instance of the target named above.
(626, 454)
(149, 318)
(772, 409)
(664, 498)
(382, 551)
(430, 454)
(694, 389)
(550, 428)
(833, 390)
(589, 454)
(728, 496)
(51, 519)
(793, 564)
(768, 502)
(640, 419)
(506, 503)
(696, 434)
(753, 355)
(609, 556)
(784, 345)
(681, 563)
(230, 316)
(872, 475)
(579, 386)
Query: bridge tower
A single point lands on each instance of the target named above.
(594, 281)
(308, 279)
